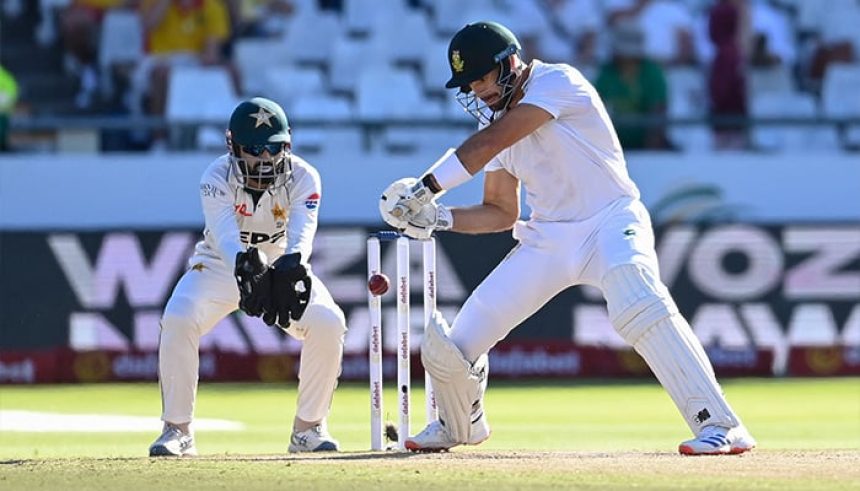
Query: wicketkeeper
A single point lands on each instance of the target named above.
(260, 204)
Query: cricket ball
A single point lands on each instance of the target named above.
(378, 284)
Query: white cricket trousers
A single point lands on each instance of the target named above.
(551, 257)
(207, 293)
(613, 251)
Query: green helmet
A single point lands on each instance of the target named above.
(259, 127)
(259, 121)
(476, 49)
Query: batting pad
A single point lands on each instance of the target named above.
(642, 311)
(458, 384)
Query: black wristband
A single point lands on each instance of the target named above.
(430, 183)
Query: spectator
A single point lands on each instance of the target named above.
(259, 18)
(837, 41)
(624, 11)
(80, 28)
(826, 52)
(632, 85)
(8, 97)
(773, 36)
(667, 27)
(179, 32)
(726, 79)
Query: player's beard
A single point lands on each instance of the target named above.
(252, 178)
(257, 185)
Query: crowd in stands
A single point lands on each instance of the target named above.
(658, 59)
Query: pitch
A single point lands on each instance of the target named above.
(592, 435)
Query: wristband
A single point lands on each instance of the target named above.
(449, 171)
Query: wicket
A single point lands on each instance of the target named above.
(375, 350)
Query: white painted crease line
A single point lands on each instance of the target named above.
(34, 421)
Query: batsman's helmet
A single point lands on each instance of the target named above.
(259, 126)
(474, 51)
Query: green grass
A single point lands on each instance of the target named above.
(575, 434)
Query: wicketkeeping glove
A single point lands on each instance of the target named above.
(291, 291)
(254, 281)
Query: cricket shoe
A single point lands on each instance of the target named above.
(173, 443)
(315, 439)
(719, 440)
(435, 437)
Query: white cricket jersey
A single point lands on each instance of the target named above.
(572, 166)
(284, 220)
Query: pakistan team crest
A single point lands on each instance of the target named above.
(279, 212)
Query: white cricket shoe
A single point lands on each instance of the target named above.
(316, 439)
(718, 440)
(173, 443)
(435, 437)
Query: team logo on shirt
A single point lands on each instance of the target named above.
(312, 201)
(279, 212)
(457, 62)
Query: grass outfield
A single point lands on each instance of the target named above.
(575, 435)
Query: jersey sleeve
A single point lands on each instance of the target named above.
(304, 211)
(494, 164)
(556, 92)
(219, 214)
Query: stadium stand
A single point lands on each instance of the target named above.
(382, 61)
(247, 54)
(841, 100)
(200, 94)
(121, 46)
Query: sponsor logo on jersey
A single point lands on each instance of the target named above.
(210, 190)
(312, 201)
(243, 210)
(254, 238)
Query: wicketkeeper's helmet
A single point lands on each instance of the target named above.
(258, 126)
(474, 51)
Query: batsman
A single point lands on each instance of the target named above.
(544, 127)
(260, 204)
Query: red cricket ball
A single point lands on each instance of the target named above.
(378, 284)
